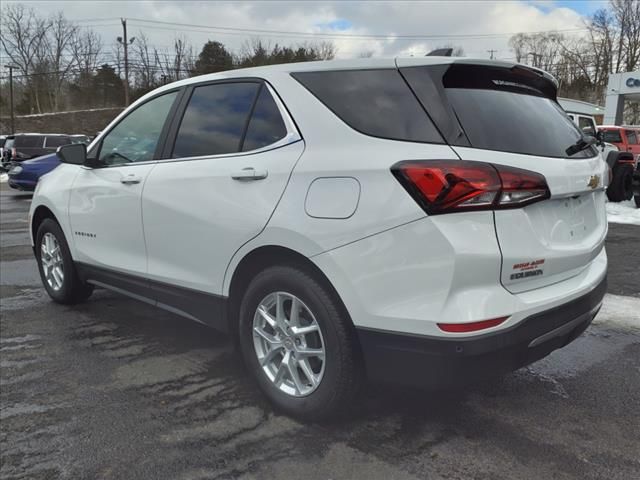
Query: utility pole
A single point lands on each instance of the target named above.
(13, 121)
(491, 52)
(125, 43)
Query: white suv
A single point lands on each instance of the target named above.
(423, 221)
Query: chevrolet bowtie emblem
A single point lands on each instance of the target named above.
(594, 181)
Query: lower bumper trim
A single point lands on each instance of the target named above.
(438, 362)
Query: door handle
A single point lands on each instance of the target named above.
(249, 173)
(130, 180)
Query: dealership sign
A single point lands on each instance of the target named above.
(632, 82)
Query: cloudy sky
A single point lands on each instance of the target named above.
(381, 27)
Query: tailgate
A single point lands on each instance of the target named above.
(507, 114)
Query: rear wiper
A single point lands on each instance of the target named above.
(582, 144)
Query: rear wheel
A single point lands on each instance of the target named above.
(621, 187)
(298, 344)
(56, 267)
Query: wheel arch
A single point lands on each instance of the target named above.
(41, 213)
(263, 257)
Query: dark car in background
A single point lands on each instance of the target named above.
(24, 146)
(24, 176)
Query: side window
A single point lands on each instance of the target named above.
(215, 119)
(136, 137)
(586, 125)
(632, 137)
(58, 141)
(374, 102)
(266, 125)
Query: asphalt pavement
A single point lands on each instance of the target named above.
(115, 389)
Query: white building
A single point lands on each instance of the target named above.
(622, 87)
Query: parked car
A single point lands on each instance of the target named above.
(624, 164)
(25, 175)
(627, 139)
(24, 146)
(394, 218)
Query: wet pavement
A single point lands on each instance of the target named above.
(116, 389)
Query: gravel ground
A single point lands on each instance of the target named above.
(117, 389)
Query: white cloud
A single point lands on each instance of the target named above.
(461, 18)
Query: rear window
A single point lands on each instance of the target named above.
(374, 102)
(29, 141)
(611, 136)
(508, 110)
(54, 142)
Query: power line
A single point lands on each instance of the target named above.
(342, 35)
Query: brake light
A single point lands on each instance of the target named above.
(13, 152)
(445, 186)
(472, 326)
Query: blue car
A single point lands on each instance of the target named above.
(25, 175)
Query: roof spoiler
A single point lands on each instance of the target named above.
(440, 52)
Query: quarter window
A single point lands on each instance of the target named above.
(632, 137)
(215, 119)
(136, 137)
(266, 125)
(374, 102)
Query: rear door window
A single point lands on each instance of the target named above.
(57, 141)
(374, 102)
(215, 119)
(29, 141)
(612, 136)
(509, 110)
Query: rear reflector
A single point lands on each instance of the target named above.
(470, 327)
(445, 186)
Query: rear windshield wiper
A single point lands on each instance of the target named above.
(582, 144)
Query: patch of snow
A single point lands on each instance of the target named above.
(623, 212)
(619, 310)
(3, 177)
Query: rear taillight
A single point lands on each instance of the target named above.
(13, 152)
(446, 186)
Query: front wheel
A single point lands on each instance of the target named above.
(56, 267)
(298, 344)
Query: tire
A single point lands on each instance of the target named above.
(621, 187)
(339, 375)
(71, 288)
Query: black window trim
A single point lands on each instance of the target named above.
(293, 133)
(163, 132)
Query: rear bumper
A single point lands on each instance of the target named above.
(435, 362)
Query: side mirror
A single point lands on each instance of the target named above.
(75, 153)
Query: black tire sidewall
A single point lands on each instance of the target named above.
(69, 288)
(621, 185)
(327, 314)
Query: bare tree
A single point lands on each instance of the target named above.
(23, 34)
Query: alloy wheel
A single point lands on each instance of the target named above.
(51, 260)
(288, 343)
